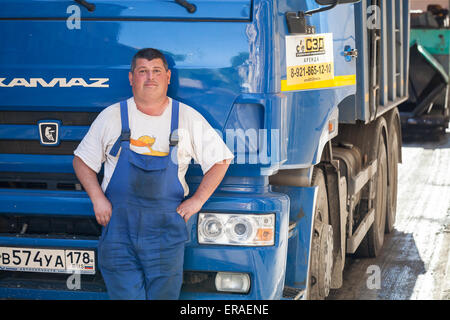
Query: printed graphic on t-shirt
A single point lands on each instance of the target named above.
(144, 146)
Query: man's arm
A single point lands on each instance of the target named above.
(208, 185)
(88, 178)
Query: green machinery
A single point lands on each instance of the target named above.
(426, 112)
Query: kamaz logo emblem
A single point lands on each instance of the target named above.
(49, 132)
(55, 82)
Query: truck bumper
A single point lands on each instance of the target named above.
(265, 266)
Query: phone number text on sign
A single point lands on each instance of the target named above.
(309, 58)
(311, 72)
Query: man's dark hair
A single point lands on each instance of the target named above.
(149, 54)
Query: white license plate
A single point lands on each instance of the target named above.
(47, 260)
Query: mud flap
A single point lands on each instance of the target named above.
(337, 211)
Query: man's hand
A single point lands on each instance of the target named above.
(103, 210)
(88, 178)
(209, 183)
(189, 207)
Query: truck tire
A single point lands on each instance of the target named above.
(374, 239)
(321, 265)
(393, 177)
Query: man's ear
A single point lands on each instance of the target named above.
(169, 74)
(130, 78)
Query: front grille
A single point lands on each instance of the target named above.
(22, 225)
(34, 147)
(49, 281)
(49, 226)
(12, 146)
(32, 117)
(36, 180)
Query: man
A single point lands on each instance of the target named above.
(140, 203)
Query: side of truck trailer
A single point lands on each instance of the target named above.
(355, 172)
(304, 93)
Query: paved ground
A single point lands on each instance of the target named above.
(415, 261)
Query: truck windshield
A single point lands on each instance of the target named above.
(129, 10)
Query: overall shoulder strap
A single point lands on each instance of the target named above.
(173, 139)
(125, 134)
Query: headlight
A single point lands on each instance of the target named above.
(236, 229)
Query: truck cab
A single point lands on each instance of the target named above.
(303, 92)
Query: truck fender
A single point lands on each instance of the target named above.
(329, 130)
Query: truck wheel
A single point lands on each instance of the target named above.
(321, 243)
(373, 241)
(393, 180)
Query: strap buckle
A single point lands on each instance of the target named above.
(173, 139)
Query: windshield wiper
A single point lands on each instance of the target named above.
(191, 8)
(87, 5)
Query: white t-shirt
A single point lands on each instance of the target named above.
(150, 135)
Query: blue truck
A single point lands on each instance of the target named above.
(304, 92)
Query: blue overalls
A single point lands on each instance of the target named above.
(141, 249)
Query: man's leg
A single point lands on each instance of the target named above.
(122, 272)
(163, 281)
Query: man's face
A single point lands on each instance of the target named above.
(149, 79)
